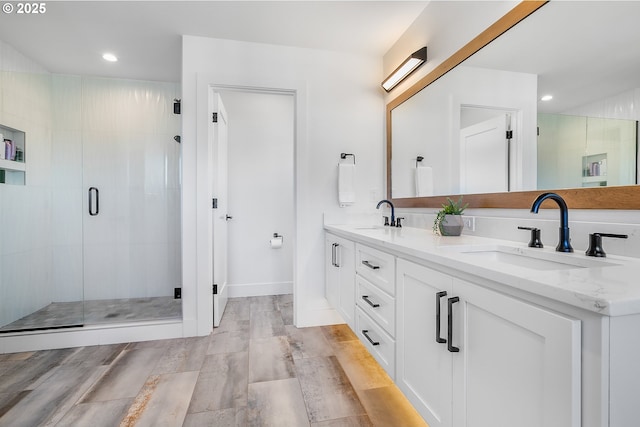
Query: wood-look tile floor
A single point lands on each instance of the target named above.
(256, 369)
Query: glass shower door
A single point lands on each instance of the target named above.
(131, 215)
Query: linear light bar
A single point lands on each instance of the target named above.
(416, 59)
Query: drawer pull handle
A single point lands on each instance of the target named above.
(450, 347)
(366, 335)
(334, 254)
(368, 301)
(371, 266)
(439, 296)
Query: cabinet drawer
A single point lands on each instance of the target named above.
(381, 346)
(377, 267)
(377, 304)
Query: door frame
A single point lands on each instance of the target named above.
(198, 303)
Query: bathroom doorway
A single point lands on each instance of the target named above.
(261, 129)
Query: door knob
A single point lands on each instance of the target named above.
(228, 217)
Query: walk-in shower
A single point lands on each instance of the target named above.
(92, 234)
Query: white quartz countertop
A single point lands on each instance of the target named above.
(607, 286)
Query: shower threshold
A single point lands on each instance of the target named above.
(59, 315)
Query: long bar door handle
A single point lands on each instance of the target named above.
(92, 191)
(365, 332)
(439, 296)
(368, 301)
(450, 347)
(371, 266)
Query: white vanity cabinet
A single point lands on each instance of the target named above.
(340, 276)
(376, 304)
(474, 356)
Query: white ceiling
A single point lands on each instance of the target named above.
(70, 37)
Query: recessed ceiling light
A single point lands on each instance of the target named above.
(110, 57)
(546, 98)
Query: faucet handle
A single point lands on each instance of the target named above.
(595, 243)
(535, 241)
(386, 220)
(398, 222)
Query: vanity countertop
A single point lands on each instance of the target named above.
(611, 287)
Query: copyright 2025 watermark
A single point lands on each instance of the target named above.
(24, 8)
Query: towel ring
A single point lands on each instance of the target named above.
(344, 156)
(419, 159)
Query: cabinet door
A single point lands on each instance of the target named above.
(518, 364)
(340, 276)
(423, 365)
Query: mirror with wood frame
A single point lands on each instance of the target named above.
(517, 189)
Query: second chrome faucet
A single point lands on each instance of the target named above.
(564, 245)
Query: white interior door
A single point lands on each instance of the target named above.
(484, 156)
(218, 165)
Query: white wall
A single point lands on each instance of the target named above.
(261, 139)
(339, 108)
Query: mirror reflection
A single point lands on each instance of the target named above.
(483, 128)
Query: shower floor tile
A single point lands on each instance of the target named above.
(77, 313)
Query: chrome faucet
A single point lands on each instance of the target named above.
(393, 212)
(564, 245)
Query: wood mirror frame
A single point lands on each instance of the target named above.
(621, 197)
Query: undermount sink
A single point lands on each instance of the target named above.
(534, 259)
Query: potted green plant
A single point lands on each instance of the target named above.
(448, 220)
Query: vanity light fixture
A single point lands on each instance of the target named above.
(546, 98)
(410, 64)
(110, 57)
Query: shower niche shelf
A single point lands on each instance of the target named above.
(12, 156)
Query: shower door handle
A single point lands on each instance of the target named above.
(94, 191)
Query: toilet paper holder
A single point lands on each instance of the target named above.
(276, 241)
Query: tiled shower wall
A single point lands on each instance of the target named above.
(25, 210)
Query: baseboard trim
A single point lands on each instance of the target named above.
(259, 289)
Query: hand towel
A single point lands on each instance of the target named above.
(424, 181)
(346, 184)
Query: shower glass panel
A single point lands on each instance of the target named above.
(131, 214)
(93, 235)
